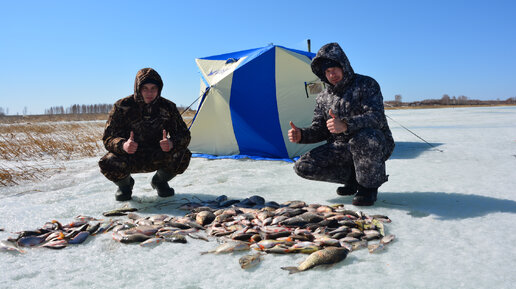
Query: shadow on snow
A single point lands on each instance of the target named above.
(411, 150)
(446, 206)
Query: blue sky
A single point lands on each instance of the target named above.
(59, 53)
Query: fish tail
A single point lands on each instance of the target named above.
(291, 270)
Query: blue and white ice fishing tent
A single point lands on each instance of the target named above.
(249, 98)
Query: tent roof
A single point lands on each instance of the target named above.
(254, 52)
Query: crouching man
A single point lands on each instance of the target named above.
(349, 115)
(145, 133)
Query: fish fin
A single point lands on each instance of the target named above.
(291, 270)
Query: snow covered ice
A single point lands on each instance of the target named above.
(452, 206)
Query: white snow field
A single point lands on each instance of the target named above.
(452, 206)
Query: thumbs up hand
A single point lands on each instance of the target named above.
(165, 144)
(130, 146)
(294, 134)
(331, 113)
(335, 125)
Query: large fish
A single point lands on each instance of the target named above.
(329, 255)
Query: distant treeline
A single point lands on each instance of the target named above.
(447, 100)
(80, 109)
(85, 109)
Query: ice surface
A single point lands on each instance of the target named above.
(453, 208)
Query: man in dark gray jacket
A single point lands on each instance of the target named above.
(144, 133)
(350, 116)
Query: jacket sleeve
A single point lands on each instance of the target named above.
(317, 131)
(113, 134)
(180, 135)
(372, 107)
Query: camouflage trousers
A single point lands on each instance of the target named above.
(362, 158)
(116, 167)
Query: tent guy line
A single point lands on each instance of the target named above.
(432, 146)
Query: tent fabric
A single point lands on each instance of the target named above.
(249, 100)
(238, 157)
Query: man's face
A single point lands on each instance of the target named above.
(334, 74)
(149, 92)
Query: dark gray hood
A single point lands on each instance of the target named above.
(333, 52)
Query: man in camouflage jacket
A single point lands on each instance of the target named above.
(349, 115)
(145, 133)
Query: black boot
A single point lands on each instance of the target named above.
(160, 183)
(125, 189)
(365, 196)
(348, 189)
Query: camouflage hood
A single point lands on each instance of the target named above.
(332, 51)
(146, 75)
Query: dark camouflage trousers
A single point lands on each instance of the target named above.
(116, 167)
(363, 157)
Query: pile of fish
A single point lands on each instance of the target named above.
(146, 231)
(54, 235)
(326, 232)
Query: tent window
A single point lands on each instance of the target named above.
(313, 88)
(231, 60)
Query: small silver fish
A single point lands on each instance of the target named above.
(204, 218)
(151, 242)
(349, 240)
(79, 238)
(174, 238)
(381, 245)
(356, 245)
(30, 241)
(105, 227)
(160, 217)
(229, 247)
(119, 212)
(55, 244)
(132, 238)
(86, 218)
(133, 216)
(278, 249)
(197, 236)
(371, 235)
(10, 247)
(249, 261)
